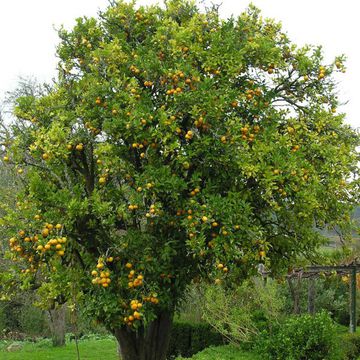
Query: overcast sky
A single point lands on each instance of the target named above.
(28, 38)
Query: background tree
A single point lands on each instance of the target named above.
(173, 145)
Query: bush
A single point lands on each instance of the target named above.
(32, 321)
(302, 337)
(227, 352)
(19, 316)
(239, 314)
(189, 338)
(350, 344)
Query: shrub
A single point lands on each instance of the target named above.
(226, 352)
(302, 337)
(189, 338)
(32, 321)
(239, 314)
(350, 345)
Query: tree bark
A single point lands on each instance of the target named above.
(149, 343)
(58, 325)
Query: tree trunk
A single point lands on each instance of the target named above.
(58, 325)
(145, 344)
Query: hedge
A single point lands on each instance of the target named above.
(189, 338)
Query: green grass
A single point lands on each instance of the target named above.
(89, 350)
(226, 352)
(105, 349)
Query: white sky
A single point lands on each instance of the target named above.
(28, 39)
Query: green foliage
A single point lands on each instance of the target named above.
(173, 142)
(226, 352)
(331, 295)
(241, 312)
(20, 316)
(190, 308)
(350, 345)
(189, 338)
(302, 337)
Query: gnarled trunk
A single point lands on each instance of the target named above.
(58, 324)
(150, 343)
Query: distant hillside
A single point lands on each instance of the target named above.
(334, 237)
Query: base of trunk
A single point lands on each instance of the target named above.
(58, 325)
(150, 343)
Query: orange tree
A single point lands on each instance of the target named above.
(174, 145)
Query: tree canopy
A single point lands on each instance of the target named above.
(175, 145)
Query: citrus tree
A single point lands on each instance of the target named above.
(174, 145)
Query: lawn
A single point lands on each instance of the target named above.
(89, 350)
(105, 349)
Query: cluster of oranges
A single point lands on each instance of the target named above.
(133, 207)
(103, 178)
(148, 83)
(251, 93)
(321, 74)
(201, 124)
(55, 244)
(152, 211)
(15, 246)
(135, 305)
(102, 278)
(134, 70)
(175, 78)
(195, 191)
(151, 299)
(189, 135)
(135, 308)
(134, 281)
(245, 135)
(94, 130)
(26, 245)
(223, 269)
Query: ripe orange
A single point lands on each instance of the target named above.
(137, 315)
(45, 232)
